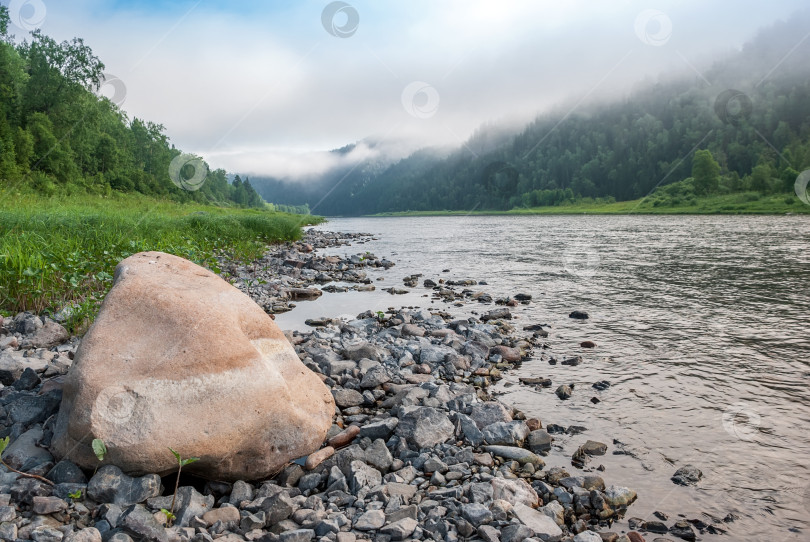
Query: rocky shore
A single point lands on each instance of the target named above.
(418, 450)
(292, 272)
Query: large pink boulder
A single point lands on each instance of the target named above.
(179, 358)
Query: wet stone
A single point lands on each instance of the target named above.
(683, 530)
(564, 392)
(539, 441)
(594, 448)
(687, 475)
(658, 527)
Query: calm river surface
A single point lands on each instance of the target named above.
(702, 330)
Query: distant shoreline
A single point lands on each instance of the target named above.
(729, 204)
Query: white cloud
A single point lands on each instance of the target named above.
(289, 163)
(258, 89)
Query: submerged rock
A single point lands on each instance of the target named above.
(687, 475)
(594, 448)
(497, 314)
(564, 392)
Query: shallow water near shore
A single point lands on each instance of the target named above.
(701, 329)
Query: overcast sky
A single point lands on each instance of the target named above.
(261, 87)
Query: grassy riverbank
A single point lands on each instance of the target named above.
(738, 203)
(58, 252)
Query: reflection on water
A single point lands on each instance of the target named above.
(701, 326)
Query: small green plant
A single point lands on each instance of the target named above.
(180, 464)
(99, 448)
(169, 516)
(3, 445)
(380, 316)
(76, 494)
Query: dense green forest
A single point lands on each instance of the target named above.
(691, 138)
(59, 136)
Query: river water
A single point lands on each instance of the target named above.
(701, 326)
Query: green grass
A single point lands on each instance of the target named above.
(737, 203)
(58, 252)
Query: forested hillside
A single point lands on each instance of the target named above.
(749, 115)
(58, 136)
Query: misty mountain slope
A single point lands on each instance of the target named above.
(752, 111)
